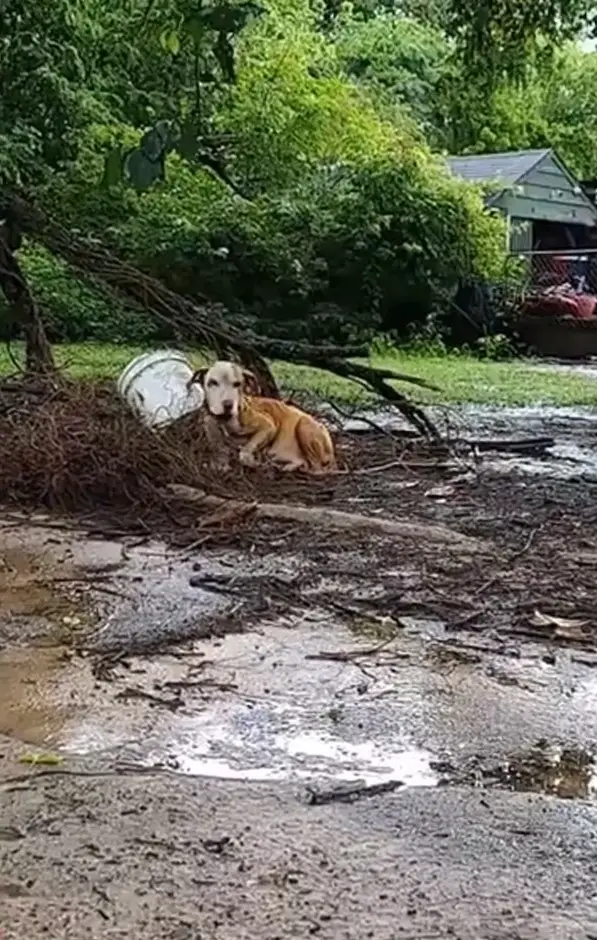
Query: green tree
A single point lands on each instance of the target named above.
(45, 93)
(326, 213)
(292, 111)
(497, 38)
(569, 108)
(399, 60)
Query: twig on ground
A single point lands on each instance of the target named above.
(494, 579)
(347, 656)
(350, 794)
(179, 685)
(531, 446)
(171, 703)
(380, 468)
(385, 432)
(121, 769)
(525, 547)
(465, 621)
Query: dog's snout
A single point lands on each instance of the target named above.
(227, 406)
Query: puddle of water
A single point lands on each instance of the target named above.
(569, 773)
(573, 429)
(372, 763)
(59, 578)
(243, 742)
(287, 716)
(586, 370)
(314, 720)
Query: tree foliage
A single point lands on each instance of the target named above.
(279, 155)
(399, 59)
(45, 98)
(498, 38)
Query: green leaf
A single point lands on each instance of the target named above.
(170, 41)
(141, 171)
(148, 11)
(50, 760)
(113, 168)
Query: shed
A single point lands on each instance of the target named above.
(539, 196)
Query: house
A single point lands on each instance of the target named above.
(546, 207)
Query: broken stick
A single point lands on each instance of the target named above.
(333, 519)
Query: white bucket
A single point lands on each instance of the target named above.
(154, 385)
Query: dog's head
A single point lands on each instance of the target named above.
(225, 384)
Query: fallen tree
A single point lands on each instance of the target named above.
(205, 325)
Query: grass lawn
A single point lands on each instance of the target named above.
(460, 378)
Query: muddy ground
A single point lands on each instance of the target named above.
(289, 732)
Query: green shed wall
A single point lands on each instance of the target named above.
(547, 193)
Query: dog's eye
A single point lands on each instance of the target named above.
(212, 383)
(237, 384)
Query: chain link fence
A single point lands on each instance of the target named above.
(558, 309)
(538, 284)
(575, 271)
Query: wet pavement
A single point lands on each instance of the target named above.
(218, 738)
(573, 456)
(586, 369)
(266, 707)
(298, 698)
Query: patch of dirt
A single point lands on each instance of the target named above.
(28, 587)
(38, 596)
(29, 711)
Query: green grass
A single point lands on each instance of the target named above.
(460, 378)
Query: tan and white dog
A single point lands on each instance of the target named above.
(269, 427)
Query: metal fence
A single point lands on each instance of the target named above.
(550, 283)
(571, 270)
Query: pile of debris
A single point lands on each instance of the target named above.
(76, 447)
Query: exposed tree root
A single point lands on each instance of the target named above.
(332, 518)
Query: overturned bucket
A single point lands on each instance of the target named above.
(155, 386)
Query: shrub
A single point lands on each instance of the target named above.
(350, 251)
(73, 310)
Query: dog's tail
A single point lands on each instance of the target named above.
(316, 446)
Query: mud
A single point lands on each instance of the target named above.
(186, 725)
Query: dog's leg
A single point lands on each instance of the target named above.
(316, 446)
(258, 441)
(217, 444)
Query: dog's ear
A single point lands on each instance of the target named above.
(251, 382)
(198, 377)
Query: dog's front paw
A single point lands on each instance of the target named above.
(247, 459)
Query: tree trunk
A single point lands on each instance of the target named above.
(25, 312)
